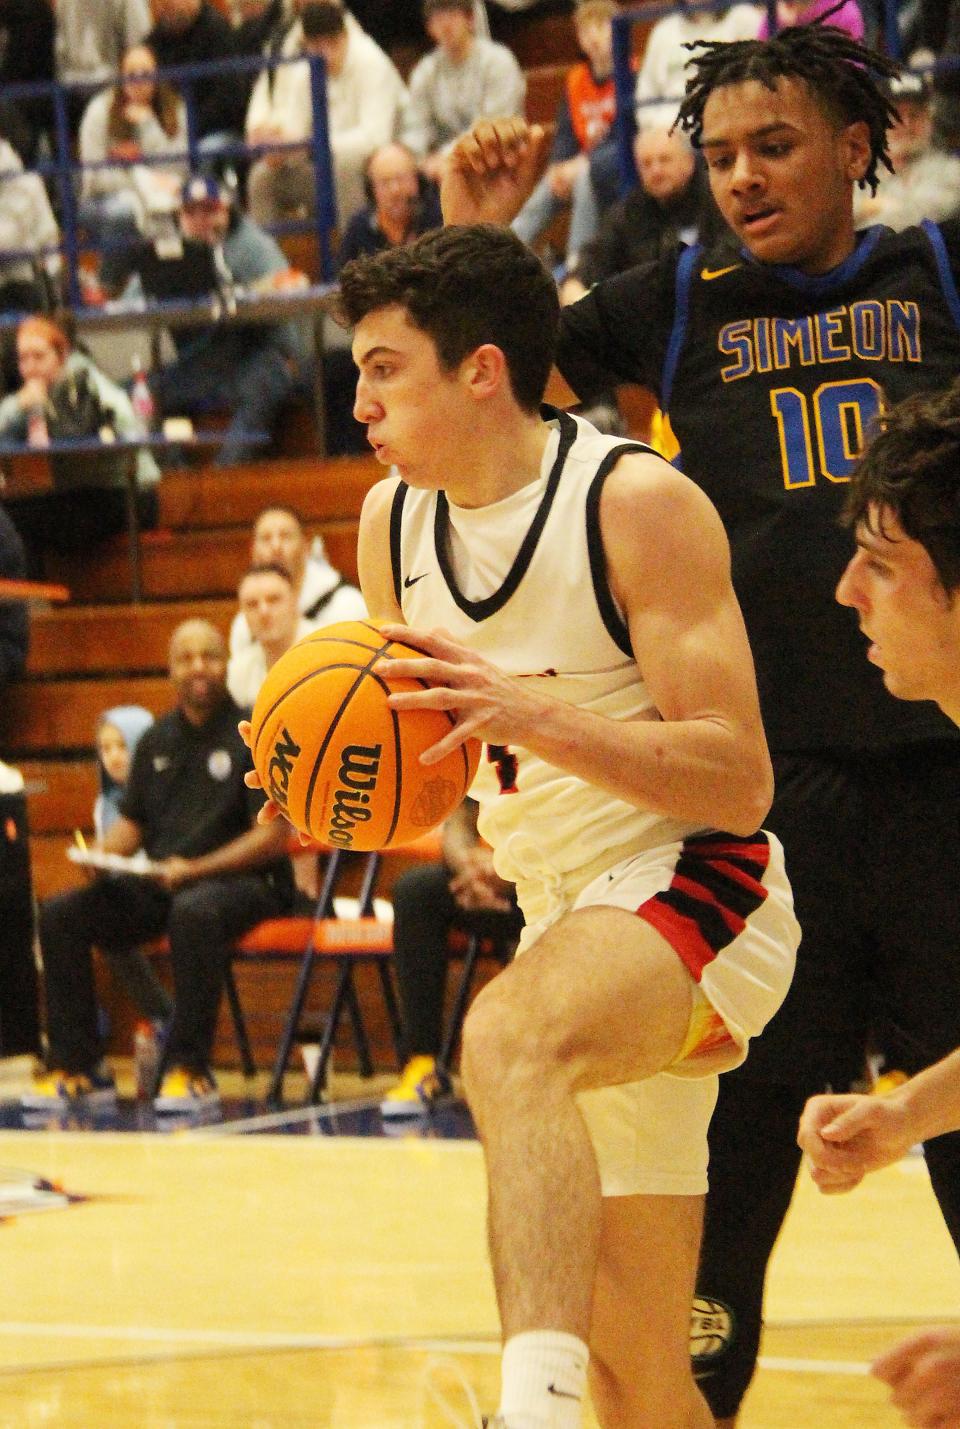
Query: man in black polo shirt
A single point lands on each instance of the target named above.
(219, 872)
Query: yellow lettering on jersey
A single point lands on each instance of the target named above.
(869, 331)
(903, 320)
(829, 327)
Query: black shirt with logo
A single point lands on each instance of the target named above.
(770, 379)
(186, 789)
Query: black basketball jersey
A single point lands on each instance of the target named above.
(770, 379)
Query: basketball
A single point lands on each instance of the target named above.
(341, 764)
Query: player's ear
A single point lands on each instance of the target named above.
(485, 370)
(856, 149)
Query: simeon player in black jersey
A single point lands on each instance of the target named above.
(770, 356)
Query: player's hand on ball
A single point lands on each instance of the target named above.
(486, 703)
(270, 810)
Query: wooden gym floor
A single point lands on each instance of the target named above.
(253, 1281)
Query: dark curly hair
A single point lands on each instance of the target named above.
(841, 73)
(911, 471)
(465, 286)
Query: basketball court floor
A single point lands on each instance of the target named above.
(303, 1268)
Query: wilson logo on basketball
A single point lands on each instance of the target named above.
(433, 802)
(285, 751)
(357, 778)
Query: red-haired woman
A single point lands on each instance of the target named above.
(65, 395)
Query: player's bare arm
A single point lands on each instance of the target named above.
(373, 551)
(706, 760)
(491, 171)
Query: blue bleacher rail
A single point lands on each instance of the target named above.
(63, 168)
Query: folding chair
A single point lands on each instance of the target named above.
(471, 947)
(346, 942)
(309, 940)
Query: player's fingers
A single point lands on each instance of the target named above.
(857, 1117)
(835, 1183)
(269, 812)
(436, 643)
(245, 729)
(499, 141)
(439, 674)
(252, 779)
(894, 1364)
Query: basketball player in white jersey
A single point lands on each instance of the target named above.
(571, 595)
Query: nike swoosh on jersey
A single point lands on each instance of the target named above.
(561, 1393)
(708, 274)
(408, 581)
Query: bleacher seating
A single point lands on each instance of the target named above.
(100, 650)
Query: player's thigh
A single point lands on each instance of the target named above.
(600, 991)
(639, 1338)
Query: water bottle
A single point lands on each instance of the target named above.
(141, 398)
(146, 1058)
(38, 433)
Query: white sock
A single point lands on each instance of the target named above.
(544, 1380)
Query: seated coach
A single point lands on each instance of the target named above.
(214, 873)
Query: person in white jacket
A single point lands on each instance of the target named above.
(366, 102)
(133, 121)
(28, 234)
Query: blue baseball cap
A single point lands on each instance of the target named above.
(201, 189)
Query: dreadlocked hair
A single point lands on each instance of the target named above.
(841, 72)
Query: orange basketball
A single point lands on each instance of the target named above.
(341, 764)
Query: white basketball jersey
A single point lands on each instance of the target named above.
(523, 583)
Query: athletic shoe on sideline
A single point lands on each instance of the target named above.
(57, 1090)
(421, 1087)
(185, 1092)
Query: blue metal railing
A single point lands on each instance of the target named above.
(64, 167)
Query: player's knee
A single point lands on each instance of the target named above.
(505, 1046)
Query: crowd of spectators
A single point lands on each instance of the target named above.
(222, 161)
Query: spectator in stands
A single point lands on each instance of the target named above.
(28, 231)
(14, 621)
(672, 204)
(260, 27)
(187, 32)
(91, 37)
(323, 596)
(465, 77)
(137, 119)
(925, 182)
(366, 100)
(401, 204)
(65, 395)
(250, 369)
(462, 892)
(583, 123)
(268, 603)
(118, 733)
(187, 808)
(661, 80)
(845, 16)
(26, 57)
